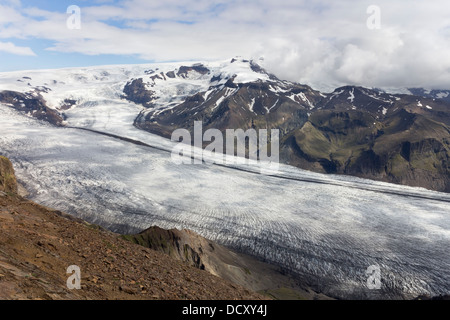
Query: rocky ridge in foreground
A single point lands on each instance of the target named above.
(38, 244)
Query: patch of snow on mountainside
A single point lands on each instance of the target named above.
(351, 96)
(442, 95)
(252, 104)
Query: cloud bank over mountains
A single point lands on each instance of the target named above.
(322, 43)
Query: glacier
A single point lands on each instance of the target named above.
(325, 230)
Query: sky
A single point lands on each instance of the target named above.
(323, 43)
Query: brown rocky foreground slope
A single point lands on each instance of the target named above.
(247, 271)
(38, 244)
(8, 181)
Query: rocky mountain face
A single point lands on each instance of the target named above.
(399, 138)
(33, 104)
(193, 249)
(38, 244)
(136, 91)
(432, 94)
(356, 131)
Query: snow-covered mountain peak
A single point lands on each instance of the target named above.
(169, 82)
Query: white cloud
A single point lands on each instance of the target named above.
(322, 43)
(10, 47)
(8, 14)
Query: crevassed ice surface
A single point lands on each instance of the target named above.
(327, 230)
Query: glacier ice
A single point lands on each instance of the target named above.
(326, 230)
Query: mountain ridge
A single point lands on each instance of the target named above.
(38, 244)
(241, 94)
(189, 247)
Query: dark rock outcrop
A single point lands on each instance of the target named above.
(32, 104)
(199, 68)
(137, 92)
(197, 251)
